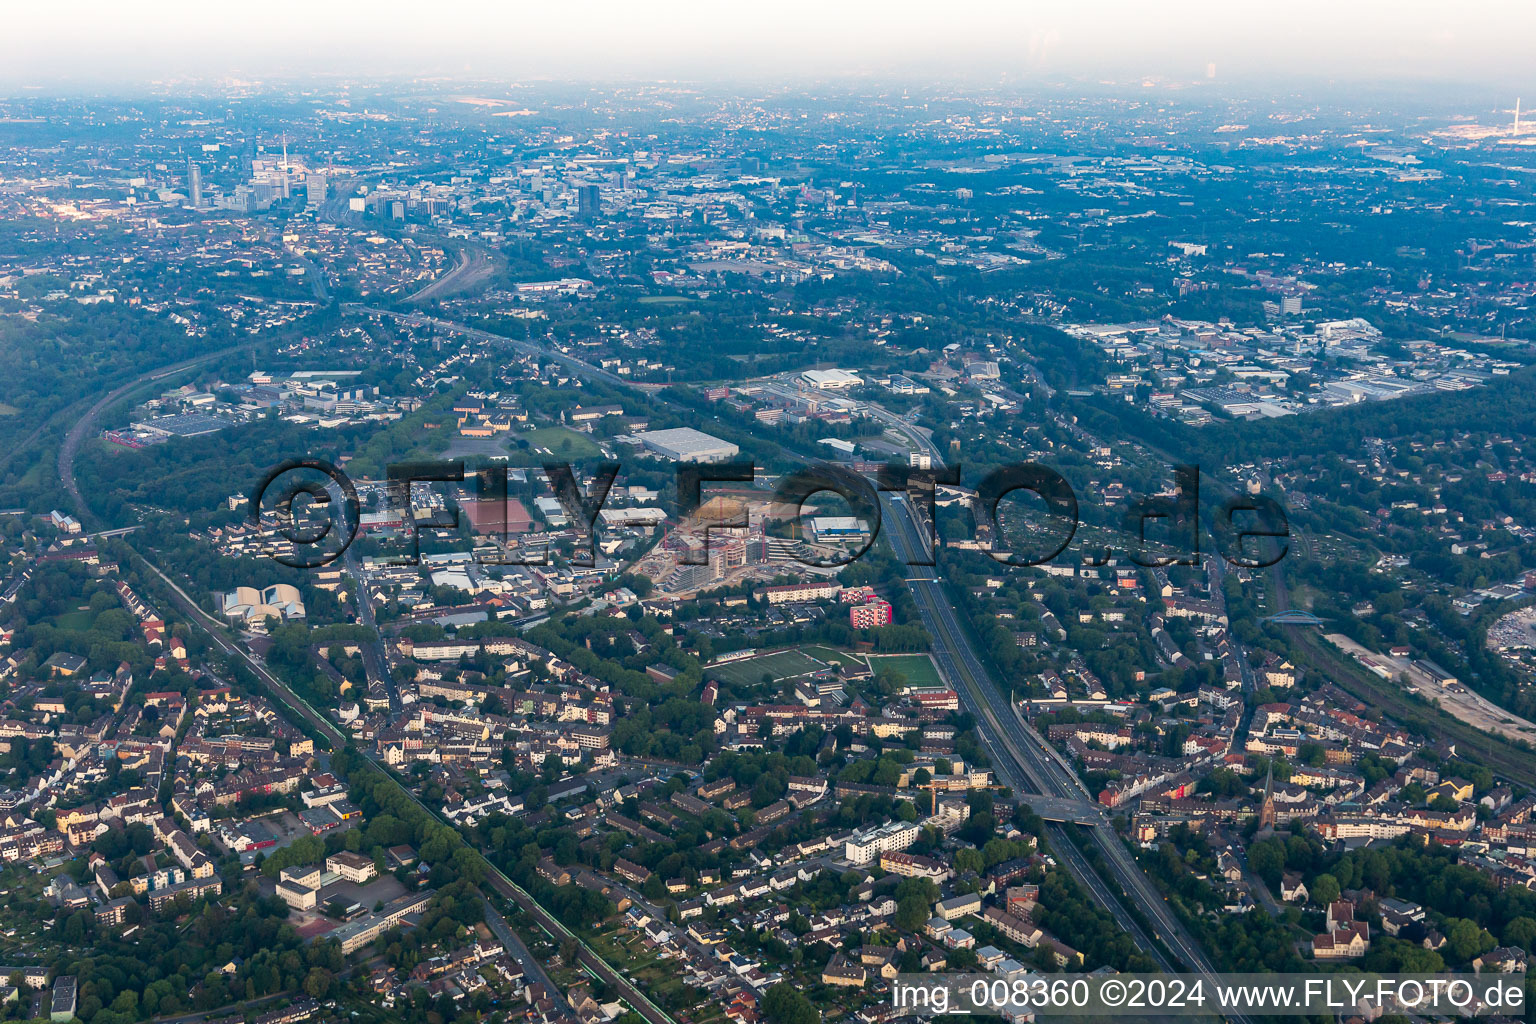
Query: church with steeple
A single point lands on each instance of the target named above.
(1267, 806)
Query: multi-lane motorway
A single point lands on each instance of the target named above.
(577, 366)
(1028, 763)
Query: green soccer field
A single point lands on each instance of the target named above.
(917, 669)
(780, 665)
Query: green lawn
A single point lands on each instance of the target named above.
(79, 619)
(562, 442)
(917, 669)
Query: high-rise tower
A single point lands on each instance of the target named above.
(589, 202)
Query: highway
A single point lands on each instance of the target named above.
(1021, 756)
(571, 363)
(1029, 764)
(473, 266)
(958, 665)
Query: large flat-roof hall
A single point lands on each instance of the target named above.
(684, 444)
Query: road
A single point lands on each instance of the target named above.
(679, 932)
(1023, 758)
(314, 276)
(533, 970)
(375, 656)
(121, 531)
(917, 438)
(215, 632)
(1314, 654)
(15, 451)
(1022, 773)
(226, 1010)
(586, 958)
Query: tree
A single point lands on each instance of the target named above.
(1267, 859)
(1520, 932)
(552, 768)
(1324, 890)
(967, 859)
(317, 982)
(911, 912)
(1466, 940)
(785, 1004)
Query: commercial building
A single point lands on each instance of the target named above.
(187, 424)
(839, 528)
(618, 517)
(280, 601)
(830, 380)
(684, 444)
(62, 663)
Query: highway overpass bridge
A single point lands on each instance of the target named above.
(1055, 808)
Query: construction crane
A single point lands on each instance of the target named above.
(933, 786)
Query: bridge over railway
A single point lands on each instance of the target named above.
(1293, 617)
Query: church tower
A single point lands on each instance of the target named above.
(1267, 808)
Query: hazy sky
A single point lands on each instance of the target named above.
(1478, 41)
